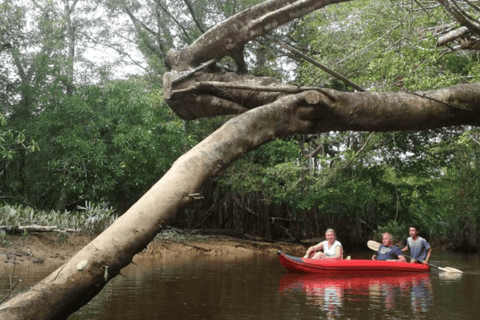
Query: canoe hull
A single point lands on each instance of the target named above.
(356, 266)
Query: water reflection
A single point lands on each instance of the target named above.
(329, 292)
(421, 295)
(450, 276)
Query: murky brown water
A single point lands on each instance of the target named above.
(259, 288)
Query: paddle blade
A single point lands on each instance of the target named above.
(373, 245)
(450, 269)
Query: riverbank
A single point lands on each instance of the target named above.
(55, 249)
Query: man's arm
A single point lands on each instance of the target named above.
(313, 249)
(429, 253)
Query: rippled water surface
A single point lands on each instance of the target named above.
(199, 287)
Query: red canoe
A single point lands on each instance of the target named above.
(356, 266)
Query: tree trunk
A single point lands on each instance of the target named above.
(70, 39)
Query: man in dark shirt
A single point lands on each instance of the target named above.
(387, 251)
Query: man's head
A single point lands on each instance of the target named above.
(387, 239)
(413, 231)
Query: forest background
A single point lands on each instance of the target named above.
(80, 136)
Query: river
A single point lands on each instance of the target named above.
(257, 287)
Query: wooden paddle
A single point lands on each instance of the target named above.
(374, 245)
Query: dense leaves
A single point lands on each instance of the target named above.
(106, 143)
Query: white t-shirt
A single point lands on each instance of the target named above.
(331, 252)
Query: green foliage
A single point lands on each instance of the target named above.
(385, 180)
(61, 237)
(4, 239)
(25, 235)
(251, 173)
(383, 46)
(398, 231)
(454, 211)
(95, 217)
(13, 146)
(107, 143)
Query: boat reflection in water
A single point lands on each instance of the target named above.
(328, 291)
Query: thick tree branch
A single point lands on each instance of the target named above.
(452, 36)
(464, 14)
(463, 20)
(341, 110)
(35, 228)
(232, 34)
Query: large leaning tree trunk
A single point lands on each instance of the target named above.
(267, 109)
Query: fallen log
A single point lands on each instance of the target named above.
(34, 228)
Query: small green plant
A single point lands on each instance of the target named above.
(96, 217)
(25, 235)
(62, 237)
(4, 239)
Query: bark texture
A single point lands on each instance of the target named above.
(230, 36)
(209, 94)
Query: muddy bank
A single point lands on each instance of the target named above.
(55, 249)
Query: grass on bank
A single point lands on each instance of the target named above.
(91, 218)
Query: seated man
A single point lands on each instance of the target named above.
(387, 251)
